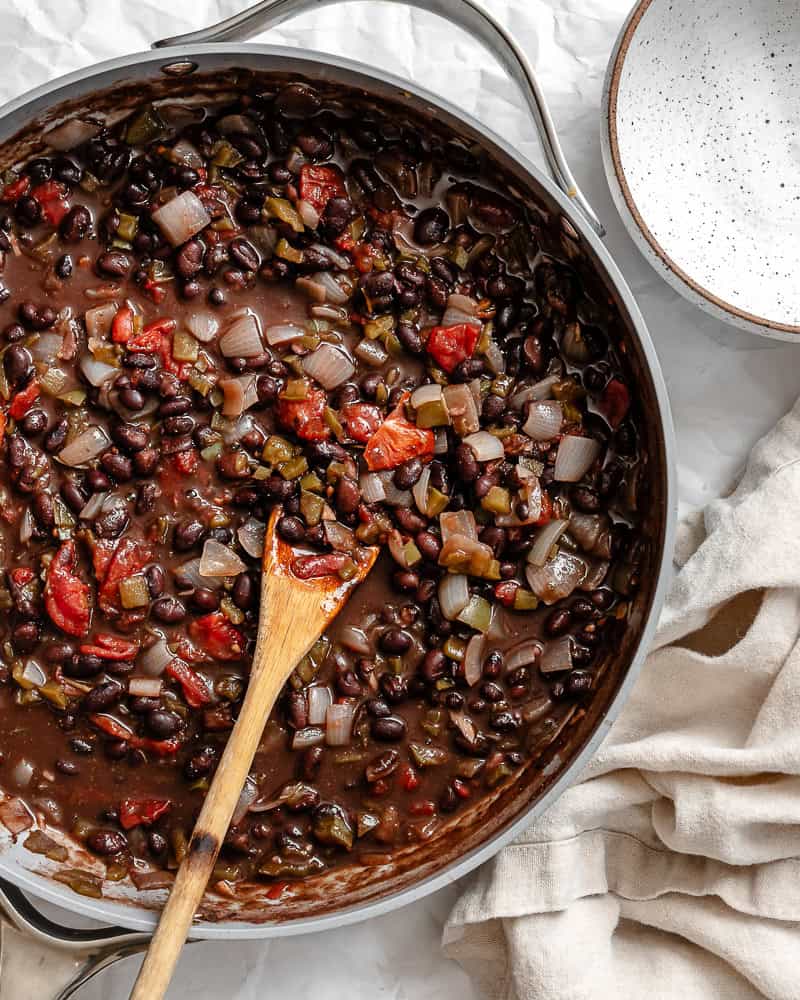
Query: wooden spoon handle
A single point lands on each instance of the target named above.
(264, 686)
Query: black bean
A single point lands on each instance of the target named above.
(493, 408)
(144, 464)
(28, 210)
(377, 708)
(101, 697)
(113, 264)
(57, 652)
(504, 721)
(139, 361)
(467, 468)
(434, 665)
(42, 508)
(131, 437)
(67, 766)
(141, 706)
(106, 842)
(34, 422)
(25, 636)
(602, 599)
(429, 545)
(407, 474)
(448, 800)
(347, 496)
(79, 745)
(493, 664)
(132, 399)
(291, 529)
(431, 226)
(378, 289)
(168, 610)
(82, 665)
(162, 724)
(244, 254)
(406, 581)
(112, 522)
(394, 688)
(492, 692)
(76, 224)
(156, 843)
(585, 499)
(558, 622)
(18, 364)
(244, 591)
(156, 580)
(175, 406)
(189, 259)
(389, 729)
(187, 534)
(116, 465)
(180, 425)
(395, 641)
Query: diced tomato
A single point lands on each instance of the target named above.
(129, 558)
(152, 336)
(319, 184)
(66, 596)
(409, 779)
(15, 190)
(361, 420)
(505, 592)
(102, 553)
(450, 345)
(24, 400)
(186, 462)
(52, 196)
(217, 636)
(344, 242)
(615, 402)
(276, 891)
(141, 812)
(21, 576)
(305, 416)
(3, 422)
(364, 255)
(461, 788)
(161, 748)
(313, 567)
(194, 685)
(546, 512)
(111, 726)
(422, 807)
(122, 325)
(156, 292)
(111, 647)
(396, 441)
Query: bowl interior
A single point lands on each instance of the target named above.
(356, 892)
(704, 132)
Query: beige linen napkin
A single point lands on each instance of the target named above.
(673, 868)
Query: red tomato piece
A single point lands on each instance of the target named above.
(194, 685)
(66, 596)
(319, 184)
(217, 636)
(14, 191)
(615, 402)
(21, 576)
(130, 556)
(305, 416)
(312, 567)
(364, 255)
(409, 779)
(111, 647)
(141, 812)
(111, 726)
(3, 422)
(186, 462)
(122, 325)
(361, 420)
(102, 554)
(450, 345)
(24, 400)
(52, 196)
(396, 441)
(461, 788)
(546, 513)
(423, 807)
(161, 748)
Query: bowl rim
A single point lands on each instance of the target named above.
(134, 916)
(634, 221)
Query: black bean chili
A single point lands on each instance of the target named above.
(281, 302)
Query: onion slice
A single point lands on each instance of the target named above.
(319, 698)
(557, 655)
(523, 654)
(240, 394)
(557, 578)
(575, 457)
(339, 724)
(85, 447)
(453, 595)
(202, 325)
(248, 796)
(242, 339)
(283, 333)
(372, 490)
(485, 446)
(153, 661)
(219, 560)
(251, 537)
(546, 538)
(329, 365)
(545, 417)
(181, 218)
(473, 659)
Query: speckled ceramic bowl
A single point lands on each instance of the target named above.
(701, 146)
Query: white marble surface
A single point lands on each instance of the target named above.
(726, 387)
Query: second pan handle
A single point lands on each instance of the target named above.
(466, 14)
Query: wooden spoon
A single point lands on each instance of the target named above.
(294, 613)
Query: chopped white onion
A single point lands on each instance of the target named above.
(243, 124)
(429, 393)
(541, 390)
(22, 774)
(495, 358)
(251, 537)
(453, 595)
(307, 213)
(247, 797)
(338, 290)
(33, 673)
(181, 218)
(339, 537)
(26, 526)
(463, 409)
(371, 486)
(283, 333)
(440, 446)
(397, 548)
(203, 325)
(145, 687)
(332, 256)
(15, 816)
(372, 353)
(473, 659)
(596, 574)
(319, 698)
(420, 490)
(575, 457)
(355, 639)
(311, 736)
(545, 417)
(46, 347)
(334, 313)
(219, 560)
(153, 661)
(586, 528)
(312, 288)
(462, 302)
(234, 430)
(394, 496)
(329, 365)
(546, 538)
(523, 654)
(557, 578)
(85, 447)
(188, 575)
(185, 153)
(557, 655)
(242, 339)
(463, 722)
(458, 522)
(485, 446)
(240, 394)
(460, 309)
(71, 133)
(96, 372)
(98, 320)
(339, 724)
(93, 508)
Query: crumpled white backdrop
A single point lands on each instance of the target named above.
(726, 386)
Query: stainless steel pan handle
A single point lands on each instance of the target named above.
(466, 14)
